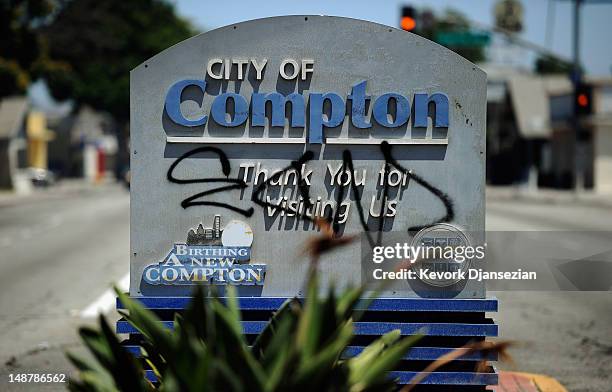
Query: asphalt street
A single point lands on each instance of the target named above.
(61, 250)
(565, 334)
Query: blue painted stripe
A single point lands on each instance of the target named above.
(448, 378)
(433, 378)
(432, 305)
(370, 328)
(415, 353)
(177, 303)
(125, 327)
(132, 349)
(429, 353)
(379, 304)
(429, 329)
(150, 375)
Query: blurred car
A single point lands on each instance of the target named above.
(41, 177)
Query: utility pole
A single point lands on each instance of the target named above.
(581, 133)
(579, 163)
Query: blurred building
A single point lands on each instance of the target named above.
(13, 112)
(84, 145)
(602, 135)
(36, 145)
(530, 136)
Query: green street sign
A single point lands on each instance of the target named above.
(463, 38)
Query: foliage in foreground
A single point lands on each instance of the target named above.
(299, 350)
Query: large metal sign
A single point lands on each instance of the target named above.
(242, 135)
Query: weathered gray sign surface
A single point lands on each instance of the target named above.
(354, 85)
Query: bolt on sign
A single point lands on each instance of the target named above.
(241, 136)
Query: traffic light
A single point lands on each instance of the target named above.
(583, 99)
(408, 19)
(509, 15)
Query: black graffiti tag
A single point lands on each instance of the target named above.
(195, 200)
(302, 186)
(385, 147)
(304, 190)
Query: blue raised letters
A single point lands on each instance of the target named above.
(173, 102)
(278, 101)
(218, 110)
(421, 110)
(359, 98)
(318, 119)
(336, 117)
(381, 109)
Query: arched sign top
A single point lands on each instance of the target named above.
(300, 22)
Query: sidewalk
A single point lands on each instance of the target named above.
(61, 189)
(526, 382)
(548, 196)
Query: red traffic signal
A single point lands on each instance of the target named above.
(583, 99)
(408, 19)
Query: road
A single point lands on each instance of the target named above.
(60, 251)
(567, 335)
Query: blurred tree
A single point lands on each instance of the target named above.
(95, 44)
(550, 65)
(20, 45)
(13, 79)
(450, 21)
(102, 41)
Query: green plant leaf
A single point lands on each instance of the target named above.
(347, 302)
(280, 342)
(385, 361)
(95, 343)
(95, 381)
(148, 324)
(128, 375)
(374, 349)
(315, 369)
(299, 349)
(309, 325)
(93, 369)
(231, 303)
(290, 310)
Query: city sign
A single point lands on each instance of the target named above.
(270, 124)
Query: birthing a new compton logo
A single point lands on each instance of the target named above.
(210, 256)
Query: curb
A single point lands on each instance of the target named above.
(527, 382)
(549, 197)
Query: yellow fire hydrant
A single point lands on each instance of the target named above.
(38, 139)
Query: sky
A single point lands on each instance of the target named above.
(596, 20)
